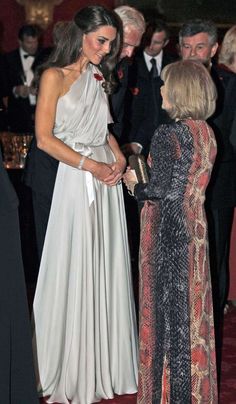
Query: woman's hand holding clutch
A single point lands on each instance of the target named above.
(137, 172)
(130, 180)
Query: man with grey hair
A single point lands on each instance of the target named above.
(198, 41)
(133, 24)
(133, 28)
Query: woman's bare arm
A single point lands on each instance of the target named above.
(51, 89)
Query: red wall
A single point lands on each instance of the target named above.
(12, 17)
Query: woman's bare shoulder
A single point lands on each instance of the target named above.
(54, 74)
(52, 78)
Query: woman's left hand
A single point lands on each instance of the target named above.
(130, 180)
(118, 168)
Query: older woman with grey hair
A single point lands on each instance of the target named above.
(227, 54)
(177, 348)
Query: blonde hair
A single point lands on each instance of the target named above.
(190, 90)
(131, 17)
(228, 47)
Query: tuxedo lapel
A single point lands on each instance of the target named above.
(16, 68)
(19, 65)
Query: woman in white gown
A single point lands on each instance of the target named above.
(85, 341)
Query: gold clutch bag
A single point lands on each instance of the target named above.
(138, 163)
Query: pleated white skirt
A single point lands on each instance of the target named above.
(85, 339)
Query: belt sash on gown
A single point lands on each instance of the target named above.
(86, 151)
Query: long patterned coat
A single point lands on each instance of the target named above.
(177, 349)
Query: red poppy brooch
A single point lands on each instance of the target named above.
(98, 77)
(134, 90)
(120, 74)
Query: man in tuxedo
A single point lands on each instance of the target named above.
(133, 28)
(143, 102)
(41, 168)
(198, 41)
(19, 73)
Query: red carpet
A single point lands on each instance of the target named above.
(128, 399)
(228, 378)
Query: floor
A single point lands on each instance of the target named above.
(228, 380)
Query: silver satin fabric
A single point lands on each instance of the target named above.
(85, 338)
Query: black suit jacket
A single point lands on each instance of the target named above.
(40, 172)
(20, 112)
(221, 191)
(117, 100)
(143, 112)
(8, 199)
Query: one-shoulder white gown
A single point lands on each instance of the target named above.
(85, 339)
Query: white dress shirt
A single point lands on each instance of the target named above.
(158, 59)
(28, 73)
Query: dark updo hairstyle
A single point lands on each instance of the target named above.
(69, 45)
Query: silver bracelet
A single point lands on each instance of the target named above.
(81, 163)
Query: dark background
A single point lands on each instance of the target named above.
(223, 12)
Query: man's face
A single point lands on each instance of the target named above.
(29, 44)
(132, 39)
(198, 47)
(158, 42)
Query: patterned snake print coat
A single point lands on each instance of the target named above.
(177, 350)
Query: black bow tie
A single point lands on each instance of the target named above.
(26, 55)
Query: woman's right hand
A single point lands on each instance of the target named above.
(130, 179)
